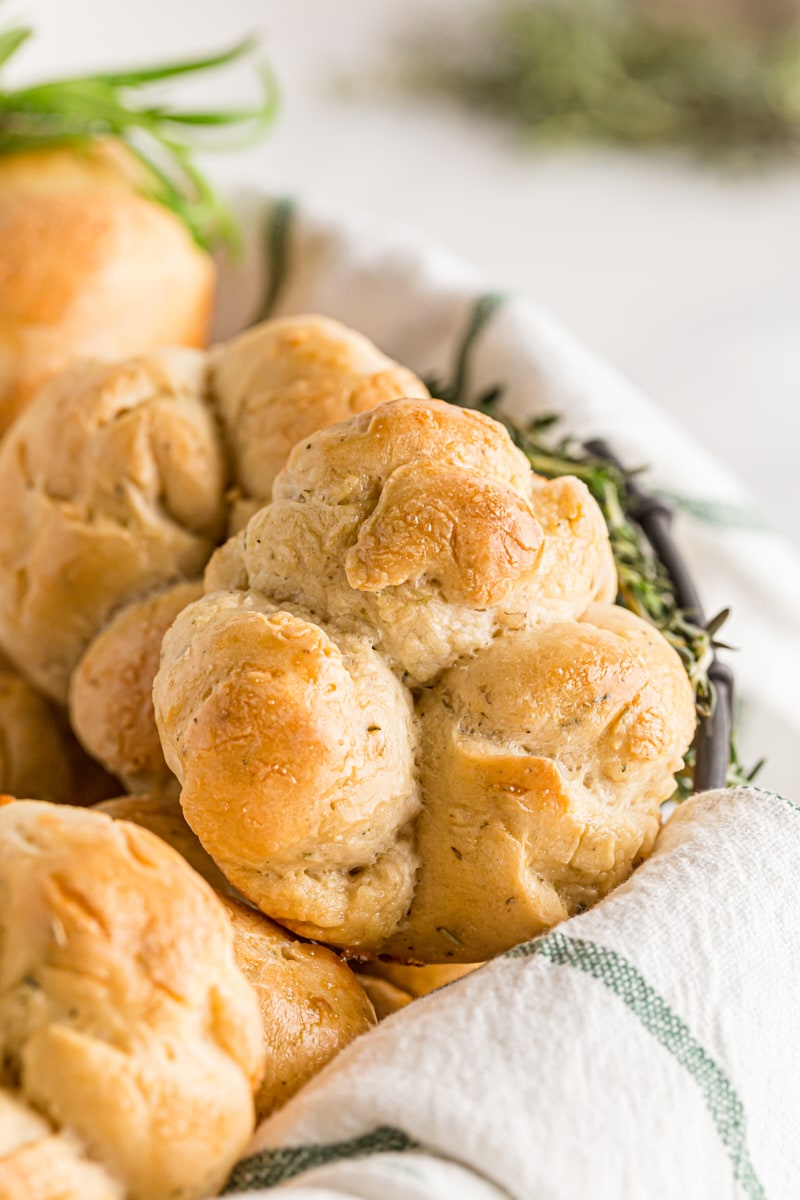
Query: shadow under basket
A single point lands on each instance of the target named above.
(654, 517)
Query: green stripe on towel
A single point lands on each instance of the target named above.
(279, 228)
(483, 310)
(271, 1167)
(622, 978)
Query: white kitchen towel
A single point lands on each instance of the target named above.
(648, 1049)
(438, 316)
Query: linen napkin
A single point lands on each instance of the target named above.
(648, 1048)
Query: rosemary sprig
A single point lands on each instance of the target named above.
(121, 105)
(606, 71)
(645, 586)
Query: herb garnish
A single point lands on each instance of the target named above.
(120, 105)
(607, 71)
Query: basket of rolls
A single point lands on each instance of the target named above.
(326, 677)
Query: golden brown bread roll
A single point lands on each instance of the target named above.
(261, 716)
(311, 1003)
(89, 268)
(448, 822)
(111, 688)
(124, 1021)
(120, 481)
(420, 526)
(111, 484)
(286, 378)
(548, 756)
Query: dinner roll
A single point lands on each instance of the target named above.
(111, 688)
(440, 785)
(546, 756)
(311, 1003)
(111, 485)
(295, 754)
(421, 526)
(124, 1021)
(285, 378)
(89, 267)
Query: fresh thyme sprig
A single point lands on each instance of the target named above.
(645, 586)
(121, 105)
(607, 71)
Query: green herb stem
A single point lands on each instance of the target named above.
(72, 111)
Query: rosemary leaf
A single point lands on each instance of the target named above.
(72, 111)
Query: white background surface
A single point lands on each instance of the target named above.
(687, 280)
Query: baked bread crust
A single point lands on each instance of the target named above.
(89, 268)
(311, 1003)
(420, 526)
(124, 1021)
(546, 728)
(547, 756)
(111, 688)
(111, 485)
(36, 752)
(318, 737)
(285, 379)
(38, 1164)
(121, 479)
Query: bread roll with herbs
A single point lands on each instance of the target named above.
(421, 527)
(446, 820)
(286, 378)
(124, 1021)
(89, 268)
(547, 756)
(312, 1005)
(118, 484)
(111, 484)
(296, 759)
